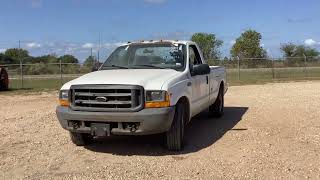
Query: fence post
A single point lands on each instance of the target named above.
(272, 59)
(305, 66)
(238, 67)
(21, 73)
(21, 66)
(60, 64)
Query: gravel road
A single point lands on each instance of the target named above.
(269, 131)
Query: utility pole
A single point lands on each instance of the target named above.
(99, 47)
(93, 63)
(60, 65)
(98, 56)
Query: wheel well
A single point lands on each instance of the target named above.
(185, 101)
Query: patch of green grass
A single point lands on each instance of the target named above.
(34, 85)
(266, 75)
(247, 76)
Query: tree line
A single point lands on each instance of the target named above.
(46, 64)
(247, 47)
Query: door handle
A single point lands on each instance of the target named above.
(207, 79)
(189, 84)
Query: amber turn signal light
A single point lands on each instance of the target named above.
(158, 104)
(64, 102)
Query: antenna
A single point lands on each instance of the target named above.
(99, 47)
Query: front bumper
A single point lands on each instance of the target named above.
(150, 121)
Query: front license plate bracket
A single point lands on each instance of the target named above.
(100, 129)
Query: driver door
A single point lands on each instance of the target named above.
(200, 83)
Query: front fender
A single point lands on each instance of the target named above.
(180, 90)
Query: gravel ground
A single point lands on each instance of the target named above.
(268, 132)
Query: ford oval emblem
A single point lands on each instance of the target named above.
(101, 99)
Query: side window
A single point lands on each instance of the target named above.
(194, 55)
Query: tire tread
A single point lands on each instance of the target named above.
(173, 136)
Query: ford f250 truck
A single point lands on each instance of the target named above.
(143, 88)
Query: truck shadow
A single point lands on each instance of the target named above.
(202, 132)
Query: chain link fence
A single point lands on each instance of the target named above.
(43, 75)
(259, 70)
(239, 71)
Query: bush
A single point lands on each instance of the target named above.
(41, 68)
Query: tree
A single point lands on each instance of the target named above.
(307, 51)
(89, 62)
(248, 46)
(292, 50)
(16, 54)
(68, 59)
(288, 49)
(6, 60)
(209, 45)
(295, 53)
(42, 59)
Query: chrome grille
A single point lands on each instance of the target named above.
(111, 98)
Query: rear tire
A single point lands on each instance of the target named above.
(216, 109)
(80, 139)
(174, 137)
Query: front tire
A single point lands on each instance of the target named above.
(174, 137)
(80, 139)
(216, 109)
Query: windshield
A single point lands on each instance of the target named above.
(147, 56)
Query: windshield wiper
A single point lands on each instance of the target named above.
(148, 65)
(121, 67)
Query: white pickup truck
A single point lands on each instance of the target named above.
(143, 88)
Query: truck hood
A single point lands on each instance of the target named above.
(151, 79)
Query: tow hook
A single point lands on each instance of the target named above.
(74, 124)
(132, 127)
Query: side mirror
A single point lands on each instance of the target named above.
(200, 69)
(96, 66)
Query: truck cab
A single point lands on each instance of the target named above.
(143, 88)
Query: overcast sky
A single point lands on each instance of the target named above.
(73, 26)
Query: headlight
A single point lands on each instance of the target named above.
(156, 99)
(64, 98)
(155, 95)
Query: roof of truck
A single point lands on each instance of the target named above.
(159, 41)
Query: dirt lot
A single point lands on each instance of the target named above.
(269, 131)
